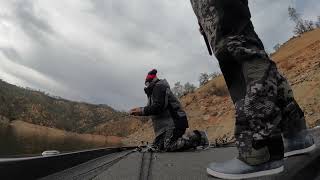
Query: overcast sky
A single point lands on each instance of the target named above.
(99, 51)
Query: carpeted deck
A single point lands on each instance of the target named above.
(134, 165)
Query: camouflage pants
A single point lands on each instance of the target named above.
(176, 140)
(264, 102)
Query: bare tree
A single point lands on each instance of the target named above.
(318, 22)
(276, 47)
(203, 79)
(294, 15)
(213, 75)
(178, 89)
(302, 26)
(189, 88)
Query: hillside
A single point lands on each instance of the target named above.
(40, 109)
(210, 107)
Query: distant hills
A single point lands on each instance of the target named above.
(38, 108)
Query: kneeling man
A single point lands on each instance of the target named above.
(169, 119)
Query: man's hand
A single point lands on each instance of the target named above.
(136, 111)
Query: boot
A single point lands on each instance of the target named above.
(300, 143)
(265, 158)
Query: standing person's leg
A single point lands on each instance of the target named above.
(258, 116)
(252, 79)
(262, 97)
(297, 140)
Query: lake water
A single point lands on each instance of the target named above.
(19, 140)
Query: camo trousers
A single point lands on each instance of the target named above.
(176, 140)
(264, 102)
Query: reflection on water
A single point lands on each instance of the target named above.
(21, 139)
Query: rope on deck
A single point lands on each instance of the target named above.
(107, 164)
(141, 167)
(150, 165)
(145, 169)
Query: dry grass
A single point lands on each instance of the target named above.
(218, 90)
(287, 65)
